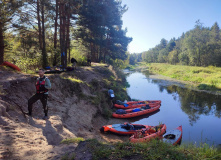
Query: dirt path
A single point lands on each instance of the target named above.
(71, 114)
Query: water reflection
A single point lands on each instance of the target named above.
(193, 103)
(143, 116)
(198, 112)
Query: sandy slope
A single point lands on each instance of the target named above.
(23, 137)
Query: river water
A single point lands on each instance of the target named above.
(199, 113)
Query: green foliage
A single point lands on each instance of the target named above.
(26, 64)
(200, 46)
(104, 40)
(101, 99)
(118, 63)
(79, 52)
(105, 37)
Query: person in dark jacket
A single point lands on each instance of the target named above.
(89, 62)
(42, 85)
(74, 61)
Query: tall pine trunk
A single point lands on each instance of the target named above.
(55, 34)
(44, 54)
(105, 52)
(56, 25)
(39, 24)
(68, 35)
(1, 44)
(62, 34)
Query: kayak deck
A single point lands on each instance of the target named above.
(173, 136)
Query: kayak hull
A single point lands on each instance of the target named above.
(130, 114)
(137, 105)
(149, 134)
(11, 65)
(174, 136)
(123, 129)
(149, 101)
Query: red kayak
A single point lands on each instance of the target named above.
(135, 104)
(129, 113)
(11, 65)
(123, 129)
(174, 136)
(148, 134)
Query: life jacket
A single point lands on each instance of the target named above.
(40, 87)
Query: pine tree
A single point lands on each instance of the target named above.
(8, 10)
(215, 32)
(100, 26)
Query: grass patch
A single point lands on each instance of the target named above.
(154, 149)
(67, 157)
(95, 100)
(204, 151)
(131, 67)
(72, 140)
(208, 78)
(72, 86)
(205, 87)
(73, 79)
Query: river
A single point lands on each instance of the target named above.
(199, 113)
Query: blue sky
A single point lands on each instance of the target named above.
(148, 21)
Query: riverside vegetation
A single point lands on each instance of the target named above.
(203, 78)
(155, 149)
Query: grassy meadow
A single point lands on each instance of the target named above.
(204, 78)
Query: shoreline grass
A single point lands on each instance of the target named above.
(204, 78)
(155, 149)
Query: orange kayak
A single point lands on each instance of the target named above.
(148, 134)
(123, 129)
(135, 104)
(174, 136)
(11, 65)
(129, 113)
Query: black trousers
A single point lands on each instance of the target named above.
(38, 96)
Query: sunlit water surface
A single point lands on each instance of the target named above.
(198, 112)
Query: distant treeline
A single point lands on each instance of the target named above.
(44, 32)
(200, 46)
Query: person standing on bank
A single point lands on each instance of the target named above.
(111, 95)
(42, 85)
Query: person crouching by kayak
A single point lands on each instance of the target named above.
(43, 84)
(111, 96)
